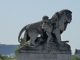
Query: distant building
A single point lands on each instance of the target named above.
(7, 49)
(77, 52)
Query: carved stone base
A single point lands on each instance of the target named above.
(45, 52)
(47, 56)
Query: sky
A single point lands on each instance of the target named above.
(15, 14)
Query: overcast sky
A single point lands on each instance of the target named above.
(15, 14)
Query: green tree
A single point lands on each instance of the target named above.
(16, 51)
(4, 57)
(74, 57)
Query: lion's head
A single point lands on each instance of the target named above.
(67, 15)
(62, 17)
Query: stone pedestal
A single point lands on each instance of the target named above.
(44, 56)
(45, 53)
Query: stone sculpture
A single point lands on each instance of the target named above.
(45, 38)
(62, 20)
(31, 32)
(50, 30)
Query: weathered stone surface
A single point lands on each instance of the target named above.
(48, 46)
(49, 56)
(44, 55)
(64, 56)
(27, 56)
(43, 52)
(36, 56)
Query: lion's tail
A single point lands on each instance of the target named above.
(22, 30)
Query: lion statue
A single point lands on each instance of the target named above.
(31, 32)
(63, 18)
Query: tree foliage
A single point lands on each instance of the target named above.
(74, 57)
(4, 57)
(16, 51)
